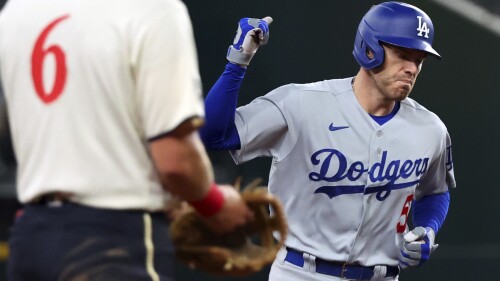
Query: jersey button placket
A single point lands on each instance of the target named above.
(375, 142)
(379, 135)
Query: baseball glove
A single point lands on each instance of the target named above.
(242, 252)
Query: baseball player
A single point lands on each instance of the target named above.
(350, 156)
(104, 104)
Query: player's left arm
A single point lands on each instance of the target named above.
(429, 214)
(429, 209)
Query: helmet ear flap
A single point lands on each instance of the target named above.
(363, 47)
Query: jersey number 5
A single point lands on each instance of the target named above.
(37, 60)
(403, 219)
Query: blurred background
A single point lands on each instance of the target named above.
(312, 41)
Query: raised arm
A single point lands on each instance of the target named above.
(219, 132)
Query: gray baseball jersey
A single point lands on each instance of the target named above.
(345, 181)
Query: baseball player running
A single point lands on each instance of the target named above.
(104, 101)
(350, 156)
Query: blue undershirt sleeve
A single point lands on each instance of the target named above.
(219, 132)
(431, 210)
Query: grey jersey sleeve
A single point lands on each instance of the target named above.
(440, 176)
(265, 127)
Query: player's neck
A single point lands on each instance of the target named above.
(369, 97)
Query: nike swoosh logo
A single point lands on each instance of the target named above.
(334, 128)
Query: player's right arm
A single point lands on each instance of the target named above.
(185, 171)
(220, 104)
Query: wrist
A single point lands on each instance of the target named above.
(210, 204)
(237, 56)
(239, 65)
(238, 70)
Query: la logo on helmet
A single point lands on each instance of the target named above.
(422, 27)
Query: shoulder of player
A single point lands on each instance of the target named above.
(171, 4)
(164, 3)
(413, 105)
(424, 113)
(152, 9)
(334, 86)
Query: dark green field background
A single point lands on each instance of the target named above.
(312, 40)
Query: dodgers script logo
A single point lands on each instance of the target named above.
(333, 167)
(423, 28)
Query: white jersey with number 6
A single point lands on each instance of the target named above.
(346, 182)
(87, 85)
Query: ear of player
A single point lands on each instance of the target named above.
(417, 247)
(251, 34)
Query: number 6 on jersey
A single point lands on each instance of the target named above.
(37, 61)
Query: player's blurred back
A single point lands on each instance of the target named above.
(73, 88)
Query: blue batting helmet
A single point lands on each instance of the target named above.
(394, 23)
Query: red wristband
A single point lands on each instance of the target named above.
(211, 204)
